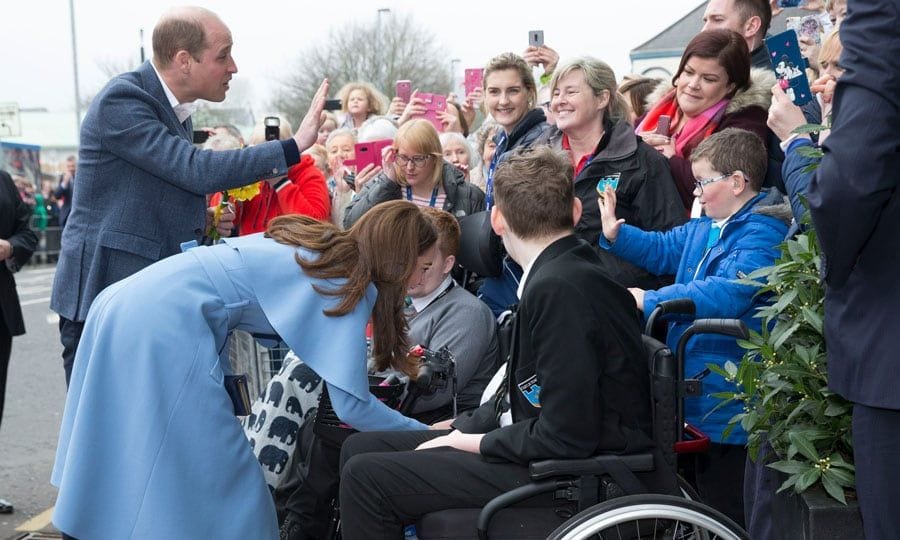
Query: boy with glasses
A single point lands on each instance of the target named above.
(739, 233)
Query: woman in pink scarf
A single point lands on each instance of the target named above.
(713, 89)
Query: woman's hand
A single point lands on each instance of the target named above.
(449, 118)
(388, 159)
(443, 424)
(367, 173)
(610, 223)
(471, 105)
(468, 442)
(397, 106)
(543, 55)
(415, 108)
(664, 144)
(784, 116)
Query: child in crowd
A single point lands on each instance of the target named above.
(738, 234)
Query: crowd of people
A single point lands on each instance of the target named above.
(608, 195)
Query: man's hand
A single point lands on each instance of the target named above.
(784, 116)
(468, 442)
(308, 133)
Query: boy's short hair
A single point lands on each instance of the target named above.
(534, 191)
(447, 229)
(735, 149)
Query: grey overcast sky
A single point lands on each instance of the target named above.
(36, 54)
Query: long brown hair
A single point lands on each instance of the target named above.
(381, 248)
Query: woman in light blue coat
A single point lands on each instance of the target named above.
(149, 445)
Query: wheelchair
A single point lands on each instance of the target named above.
(608, 499)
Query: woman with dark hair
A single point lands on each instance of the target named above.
(149, 446)
(713, 89)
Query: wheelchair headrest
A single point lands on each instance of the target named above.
(480, 249)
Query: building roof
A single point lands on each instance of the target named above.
(672, 40)
(49, 130)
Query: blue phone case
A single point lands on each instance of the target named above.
(789, 66)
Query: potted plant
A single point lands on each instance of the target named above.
(782, 383)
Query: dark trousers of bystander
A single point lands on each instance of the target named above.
(876, 453)
(5, 351)
(69, 336)
(385, 485)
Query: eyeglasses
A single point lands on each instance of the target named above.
(417, 161)
(698, 184)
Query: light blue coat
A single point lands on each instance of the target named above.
(149, 446)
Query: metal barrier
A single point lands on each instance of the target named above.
(49, 242)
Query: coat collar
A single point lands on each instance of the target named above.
(551, 252)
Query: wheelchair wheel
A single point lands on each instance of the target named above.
(649, 516)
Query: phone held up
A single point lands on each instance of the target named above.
(473, 81)
(200, 136)
(789, 66)
(332, 105)
(403, 90)
(273, 128)
(662, 124)
(535, 38)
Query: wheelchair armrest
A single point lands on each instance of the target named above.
(595, 465)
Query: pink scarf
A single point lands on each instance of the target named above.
(694, 131)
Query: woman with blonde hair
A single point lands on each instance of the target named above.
(149, 396)
(414, 169)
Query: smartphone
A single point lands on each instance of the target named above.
(370, 153)
(332, 104)
(403, 90)
(611, 180)
(535, 38)
(473, 80)
(791, 3)
(200, 136)
(273, 128)
(789, 66)
(662, 125)
(434, 103)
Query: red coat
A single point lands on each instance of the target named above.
(305, 193)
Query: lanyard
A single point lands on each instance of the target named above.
(495, 159)
(434, 194)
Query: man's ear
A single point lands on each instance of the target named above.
(576, 210)
(752, 26)
(183, 61)
(498, 222)
(449, 261)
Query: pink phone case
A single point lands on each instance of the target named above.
(473, 80)
(404, 90)
(433, 104)
(370, 153)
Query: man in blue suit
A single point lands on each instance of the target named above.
(142, 185)
(855, 208)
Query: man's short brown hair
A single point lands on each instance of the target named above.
(735, 149)
(533, 190)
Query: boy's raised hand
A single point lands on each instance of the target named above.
(611, 224)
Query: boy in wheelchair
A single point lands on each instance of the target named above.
(739, 233)
(575, 385)
(442, 315)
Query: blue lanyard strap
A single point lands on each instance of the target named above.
(501, 140)
(434, 194)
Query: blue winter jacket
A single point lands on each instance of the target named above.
(748, 241)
